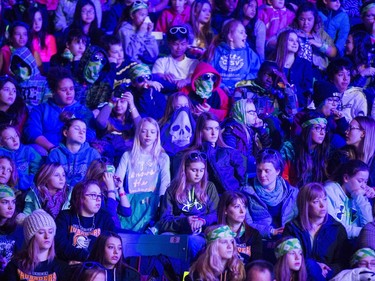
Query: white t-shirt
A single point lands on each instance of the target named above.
(181, 69)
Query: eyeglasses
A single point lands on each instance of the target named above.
(333, 100)
(176, 29)
(196, 155)
(351, 128)
(94, 196)
(98, 57)
(252, 112)
(319, 129)
(143, 78)
(366, 263)
(208, 76)
(87, 12)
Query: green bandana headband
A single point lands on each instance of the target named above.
(6, 191)
(239, 111)
(220, 232)
(138, 70)
(137, 5)
(314, 122)
(286, 246)
(362, 253)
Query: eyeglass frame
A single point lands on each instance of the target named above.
(209, 76)
(318, 128)
(92, 195)
(196, 155)
(143, 78)
(351, 128)
(180, 29)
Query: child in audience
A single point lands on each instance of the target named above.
(41, 42)
(79, 226)
(13, 109)
(177, 14)
(231, 55)
(50, 193)
(260, 270)
(147, 171)
(347, 202)
(190, 202)
(27, 160)
(247, 13)
(44, 126)
(86, 19)
(134, 30)
(177, 68)
(18, 37)
(335, 21)
(275, 17)
(74, 153)
(108, 251)
(33, 86)
(147, 97)
(11, 236)
(232, 212)
(200, 21)
(38, 259)
(290, 263)
(8, 172)
(115, 200)
(220, 259)
(324, 240)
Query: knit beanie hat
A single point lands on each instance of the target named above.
(38, 219)
(6, 191)
(322, 91)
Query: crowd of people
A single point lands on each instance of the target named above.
(246, 125)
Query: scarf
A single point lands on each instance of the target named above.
(274, 197)
(52, 204)
(203, 88)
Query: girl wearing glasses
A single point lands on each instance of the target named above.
(85, 18)
(306, 157)
(220, 260)
(231, 55)
(145, 173)
(245, 131)
(324, 240)
(190, 202)
(232, 211)
(13, 109)
(205, 92)
(361, 135)
(347, 202)
(38, 259)
(134, 29)
(107, 251)
(79, 226)
(74, 153)
(50, 193)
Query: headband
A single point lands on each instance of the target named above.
(220, 232)
(6, 191)
(138, 70)
(314, 122)
(137, 5)
(362, 253)
(286, 246)
(368, 7)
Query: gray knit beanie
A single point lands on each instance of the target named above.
(38, 219)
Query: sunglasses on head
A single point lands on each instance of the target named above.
(143, 78)
(208, 76)
(176, 29)
(98, 57)
(196, 155)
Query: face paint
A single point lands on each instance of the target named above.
(204, 88)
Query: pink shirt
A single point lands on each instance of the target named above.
(48, 51)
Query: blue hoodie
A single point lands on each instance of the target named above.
(75, 165)
(235, 64)
(27, 161)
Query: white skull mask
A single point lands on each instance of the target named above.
(181, 130)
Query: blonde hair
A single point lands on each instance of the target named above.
(209, 265)
(367, 148)
(156, 150)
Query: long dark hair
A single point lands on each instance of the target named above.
(78, 194)
(308, 7)
(77, 18)
(361, 48)
(43, 31)
(311, 163)
(350, 168)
